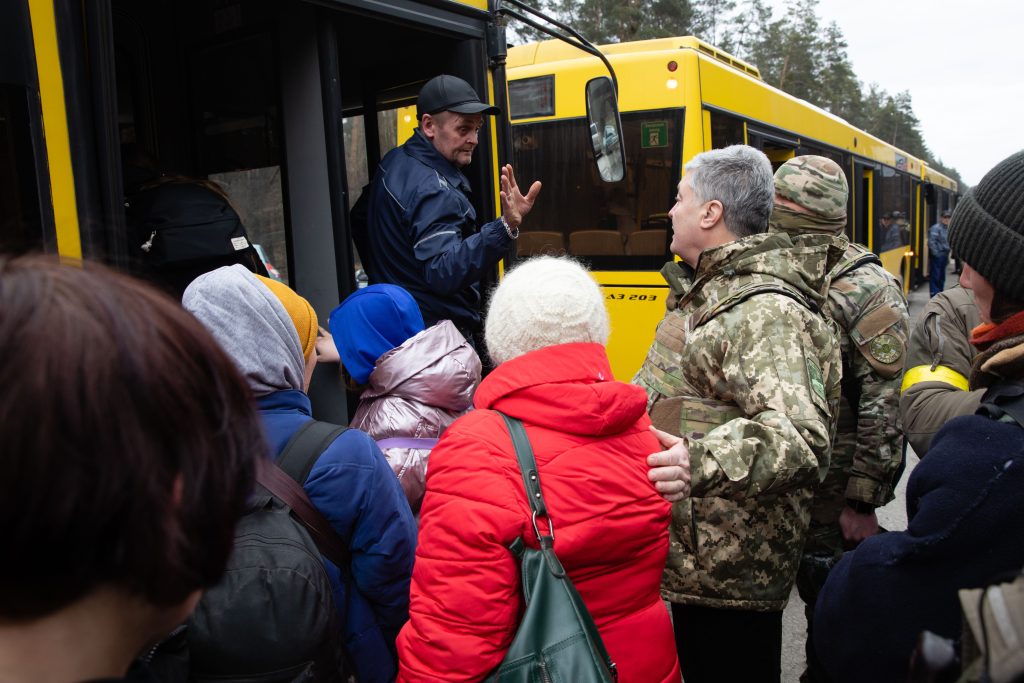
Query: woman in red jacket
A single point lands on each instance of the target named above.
(545, 331)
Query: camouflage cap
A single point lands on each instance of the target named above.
(815, 183)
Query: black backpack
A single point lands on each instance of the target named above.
(272, 617)
(180, 230)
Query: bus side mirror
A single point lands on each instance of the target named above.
(605, 129)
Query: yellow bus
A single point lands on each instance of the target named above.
(286, 104)
(679, 97)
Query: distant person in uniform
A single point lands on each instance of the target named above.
(130, 446)
(745, 368)
(964, 504)
(421, 231)
(938, 253)
(868, 304)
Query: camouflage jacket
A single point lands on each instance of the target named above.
(744, 367)
(868, 304)
(938, 364)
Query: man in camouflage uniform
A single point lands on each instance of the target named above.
(748, 372)
(868, 304)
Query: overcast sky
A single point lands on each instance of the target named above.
(962, 61)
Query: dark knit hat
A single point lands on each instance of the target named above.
(987, 228)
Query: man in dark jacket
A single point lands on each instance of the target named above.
(421, 227)
(938, 253)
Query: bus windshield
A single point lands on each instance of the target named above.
(614, 226)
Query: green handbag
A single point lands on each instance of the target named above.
(557, 641)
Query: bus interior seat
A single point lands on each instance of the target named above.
(596, 243)
(533, 242)
(647, 242)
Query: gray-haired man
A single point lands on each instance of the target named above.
(748, 373)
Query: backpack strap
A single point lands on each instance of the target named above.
(328, 542)
(284, 480)
(305, 446)
(848, 265)
(716, 306)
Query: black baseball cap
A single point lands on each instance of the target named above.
(450, 93)
(947, 213)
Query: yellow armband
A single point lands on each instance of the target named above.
(924, 373)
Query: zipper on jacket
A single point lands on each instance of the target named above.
(544, 675)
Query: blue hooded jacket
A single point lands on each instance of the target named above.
(421, 234)
(351, 483)
(353, 486)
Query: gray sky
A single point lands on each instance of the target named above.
(961, 61)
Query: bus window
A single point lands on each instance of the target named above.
(892, 210)
(605, 217)
(726, 130)
(20, 223)
(239, 137)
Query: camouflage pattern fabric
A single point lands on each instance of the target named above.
(815, 183)
(868, 304)
(744, 368)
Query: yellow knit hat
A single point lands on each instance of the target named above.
(299, 310)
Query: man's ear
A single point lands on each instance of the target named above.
(428, 126)
(711, 214)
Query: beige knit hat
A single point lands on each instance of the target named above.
(544, 302)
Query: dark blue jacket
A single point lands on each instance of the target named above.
(965, 503)
(421, 234)
(353, 486)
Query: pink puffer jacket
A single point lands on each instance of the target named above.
(415, 391)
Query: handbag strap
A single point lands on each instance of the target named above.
(534, 495)
(527, 465)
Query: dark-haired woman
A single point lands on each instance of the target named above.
(129, 441)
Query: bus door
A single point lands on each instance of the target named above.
(863, 205)
(919, 234)
(275, 101)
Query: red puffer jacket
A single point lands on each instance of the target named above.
(589, 434)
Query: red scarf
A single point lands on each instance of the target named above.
(986, 334)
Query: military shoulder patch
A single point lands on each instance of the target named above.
(817, 383)
(885, 348)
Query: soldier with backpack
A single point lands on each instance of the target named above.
(868, 304)
(269, 331)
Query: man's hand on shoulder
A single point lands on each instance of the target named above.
(514, 204)
(670, 469)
